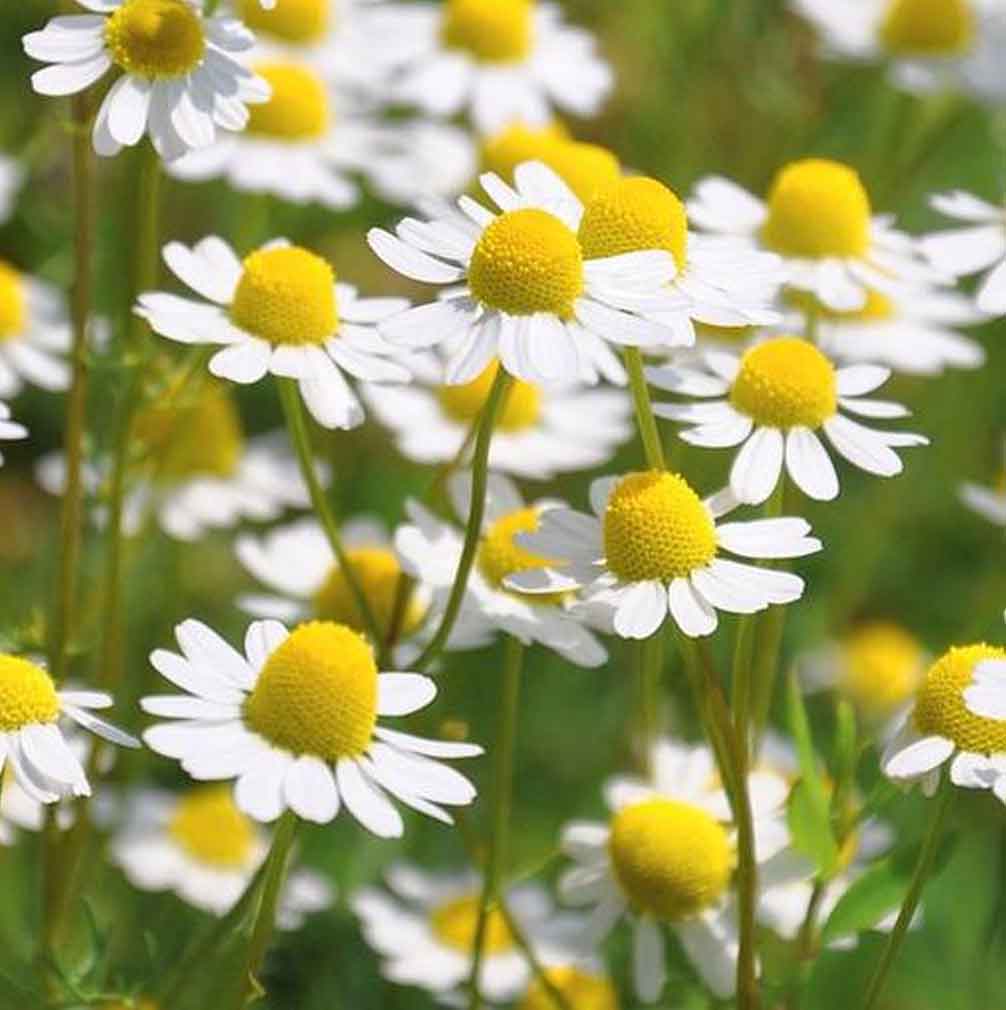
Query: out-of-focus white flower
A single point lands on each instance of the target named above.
(11, 178)
(10, 431)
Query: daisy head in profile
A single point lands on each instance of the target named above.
(653, 548)
(32, 741)
(280, 311)
(665, 859)
(176, 76)
(775, 401)
(955, 722)
(818, 218)
(294, 721)
(200, 846)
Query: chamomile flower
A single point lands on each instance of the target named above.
(653, 548)
(10, 431)
(818, 218)
(11, 177)
(295, 722)
(430, 550)
(773, 401)
(583, 984)
(531, 295)
(943, 726)
(32, 743)
(199, 845)
(177, 78)
(666, 857)
(280, 311)
(979, 246)
(501, 61)
(424, 930)
(541, 431)
(34, 334)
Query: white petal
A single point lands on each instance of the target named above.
(640, 609)
(309, 789)
(403, 693)
(649, 969)
(810, 466)
(365, 803)
(758, 466)
(693, 615)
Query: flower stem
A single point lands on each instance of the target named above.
(506, 734)
(645, 419)
(651, 665)
(480, 477)
(296, 425)
(923, 868)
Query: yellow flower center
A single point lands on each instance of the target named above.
(521, 410)
(492, 31)
(317, 693)
(13, 304)
(882, 667)
(928, 27)
(378, 572)
(500, 556)
(817, 208)
(198, 438)
(632, 215)
(876, 308)
(585, 168)
(286, 295)
(210, 829)
(786, 383)
(298, 108)
(581, 989)
(940, 707)
(656, 527)
(297, 21)
(527, 261)
(27, 694)
(671, 859)
(456, 922)
(155, 38)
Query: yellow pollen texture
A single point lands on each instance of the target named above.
(500, 556)
(298, 108)
(155, 38)
(13, 304)
(928, 27)
(209, 828)
(882, 667)
(455, 924)
(296, 21)
(671, 859)
(286, 295)
(940, 709)
(27, 694)
(317, 693)
(378, 571)
(656, 527)
(817, 208)
(633, 215)
(492, 31)
(464, 403)
(786, 383)
(527, 261)
(582, 990)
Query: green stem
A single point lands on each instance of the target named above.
(645, 419)
(923, 868)
(651, 665)
(473, 531)
(538, 970)
(506, 735)
(296, 425)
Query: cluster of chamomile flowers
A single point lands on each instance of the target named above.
(770, 323)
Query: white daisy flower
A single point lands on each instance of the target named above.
(199, 845)
(977, 247)
(773, 401)
(425, 928)
(32, 743)
(295, 722)
(34, 334)
(817, 217)
(11, 177)
(430, 550)
(540, 431)
(280, 311)
(653, 548)
(667, 856)
(500, 61)
(943, 726)
(10, 431)
(178, 81)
